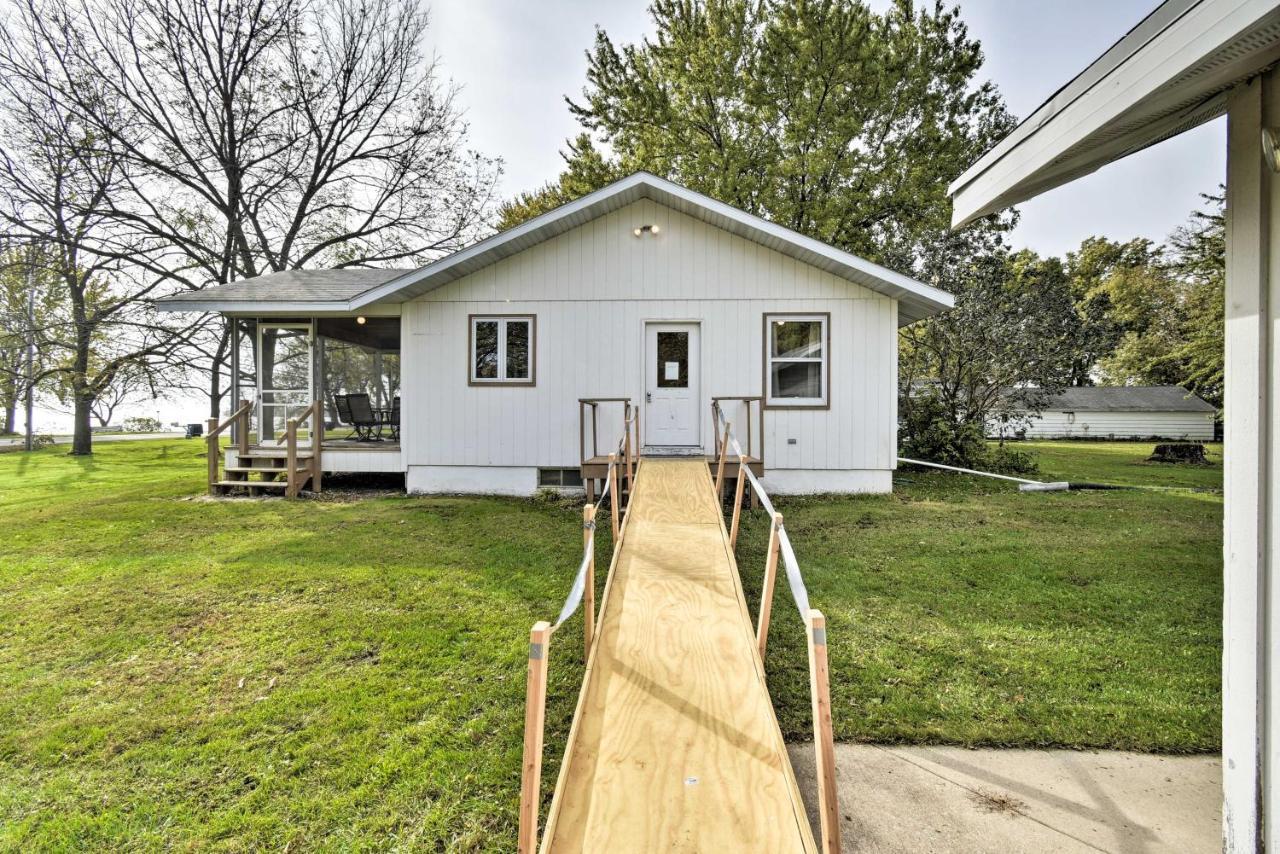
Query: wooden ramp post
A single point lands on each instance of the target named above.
(613, 496)
(589, 590)
(724, 451)
(823, 745)
(535, 713)
(766, 587)
(737, 502)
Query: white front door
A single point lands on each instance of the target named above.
(672, 407)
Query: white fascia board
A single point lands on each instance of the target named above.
(893, 284)
(239, 307)
(1027, 167)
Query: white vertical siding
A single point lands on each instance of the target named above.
(592, 289)
(1054, 424)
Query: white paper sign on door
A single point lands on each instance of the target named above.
(672, 371)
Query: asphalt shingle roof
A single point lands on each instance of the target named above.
(295, 286)
(1152, 398)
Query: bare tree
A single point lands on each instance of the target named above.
(260, 136)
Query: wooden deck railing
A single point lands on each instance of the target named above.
(593, 467)
(298, 478)
(815, 627)
(583, 592)
(215, 429)
(754, 427)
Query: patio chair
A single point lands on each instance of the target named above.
(360, 415)
(343, 408)
(393, 418)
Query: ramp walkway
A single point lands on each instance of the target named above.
(674, 744)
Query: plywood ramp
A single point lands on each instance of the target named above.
(674, 745)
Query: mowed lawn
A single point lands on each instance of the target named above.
(178, 672)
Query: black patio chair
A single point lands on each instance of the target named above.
(393, 418)
(356, 411)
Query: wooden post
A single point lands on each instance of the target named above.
(737, 501)
(535, 712)
(317, 441)
(291, 455)
(823, 746)
(724, 451)
(766, 587)
(212, 441)
(242, 430)
(626, 444)
(589, 592)
(613, 496)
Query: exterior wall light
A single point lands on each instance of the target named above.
(360, 320)
(651, 229)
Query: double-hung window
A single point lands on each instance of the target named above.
(502, 349)
(797, 360)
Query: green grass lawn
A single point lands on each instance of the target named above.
(178, 672)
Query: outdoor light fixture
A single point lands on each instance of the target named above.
(360, 320)
(1270, 145)
(651, 229)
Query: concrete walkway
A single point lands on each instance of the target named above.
(948, 799)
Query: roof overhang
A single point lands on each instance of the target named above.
(1170, 73)
(916, 300)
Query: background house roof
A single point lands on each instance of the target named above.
(1167, 75)
(351, 290)
(1157, 398)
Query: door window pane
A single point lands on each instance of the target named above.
(673, 360)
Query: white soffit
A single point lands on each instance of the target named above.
(1169, 74)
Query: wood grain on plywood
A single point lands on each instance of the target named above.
(675, 746)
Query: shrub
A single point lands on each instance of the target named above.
(141, 424)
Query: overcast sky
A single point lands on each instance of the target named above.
(517, 60)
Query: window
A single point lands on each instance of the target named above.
(560, 478)
(797, 360)
(502, 350)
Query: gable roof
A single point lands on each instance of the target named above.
(1155, 398)
(916, 300)
(1167, 75)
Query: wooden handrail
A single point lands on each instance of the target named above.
(815, 630)
(214, 430)
(749, 400)
(294, 483)
(540, 640)
(594, 403)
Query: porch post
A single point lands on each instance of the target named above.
(233, 393)
(1250, 603)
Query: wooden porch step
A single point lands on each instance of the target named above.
(263, 469)
(255, 484)
(273, 454)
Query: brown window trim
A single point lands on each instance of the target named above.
(533, 351)
(764, 358)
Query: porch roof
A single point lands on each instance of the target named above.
(352, 290)
(1167, 75)
(286, 291)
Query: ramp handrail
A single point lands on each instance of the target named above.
(583, 588)
(815, 624)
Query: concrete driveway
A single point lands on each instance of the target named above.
(949, 799)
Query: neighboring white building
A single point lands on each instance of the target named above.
(1122, 412)
(1187, 62)
(643, 290)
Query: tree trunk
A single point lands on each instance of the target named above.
(220, 358)
(82, 436)
(11, 415)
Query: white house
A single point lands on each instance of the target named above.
(1122, 412)
(1187, 62)
(643, 292)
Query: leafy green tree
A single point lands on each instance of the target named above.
(1200, 259)
(821, 115)
(991, 362)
